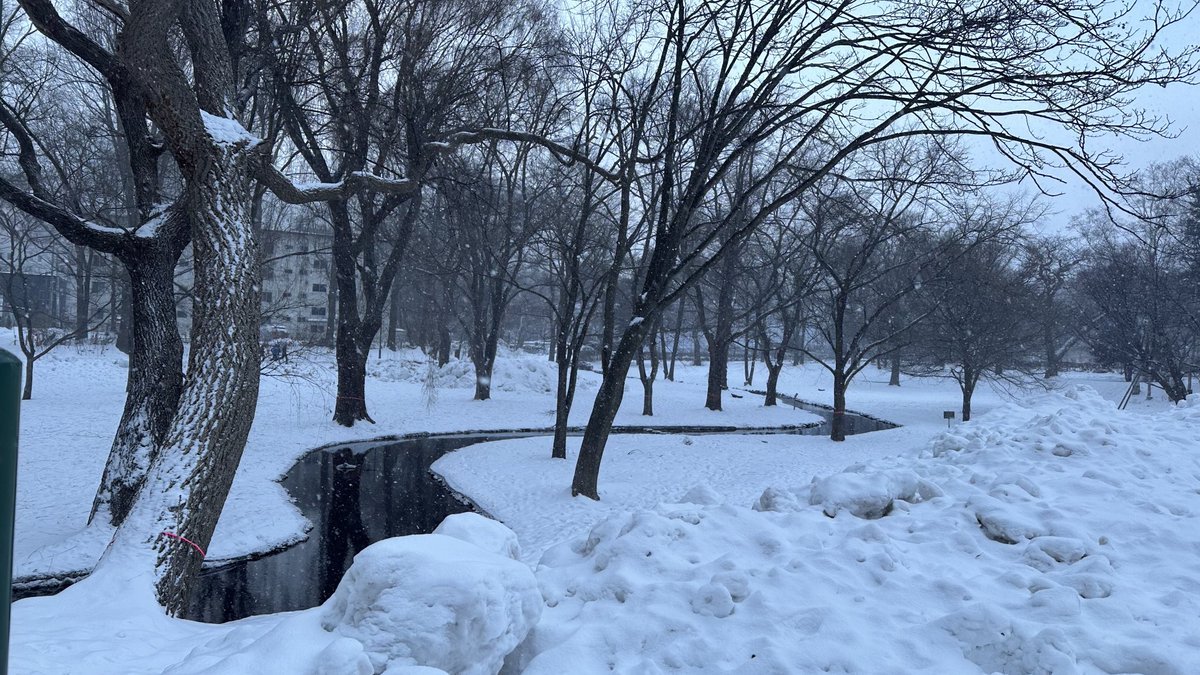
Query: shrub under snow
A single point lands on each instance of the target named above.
(434, 600)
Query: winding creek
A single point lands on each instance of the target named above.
(358, 493)
(355, 494)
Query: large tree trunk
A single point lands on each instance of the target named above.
(351, 404)
(718, 372)
(155, 379)
(894, 381)
(350, 351)
(175, 513)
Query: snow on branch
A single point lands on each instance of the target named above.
(306, 193)
(562, 153)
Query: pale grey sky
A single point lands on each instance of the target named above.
(1176, 102)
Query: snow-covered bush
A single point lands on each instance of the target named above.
(485, 533)
(436, 601)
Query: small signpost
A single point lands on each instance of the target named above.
(948, 415)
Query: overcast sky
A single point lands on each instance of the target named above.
(1178, 103)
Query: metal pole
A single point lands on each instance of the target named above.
(10, 412)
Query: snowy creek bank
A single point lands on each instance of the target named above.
(356, 494)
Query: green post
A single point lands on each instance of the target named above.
(10, 413)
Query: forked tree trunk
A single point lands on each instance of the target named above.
(773, 371)
(648, 397)
(186, 488)
(648, 376)
(968, 391)
(155, 379)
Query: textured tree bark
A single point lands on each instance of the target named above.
(351, 404)
(894, 381)
(187, 485)
(152, 389)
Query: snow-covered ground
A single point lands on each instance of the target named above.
(67, 427)
(1050, 535)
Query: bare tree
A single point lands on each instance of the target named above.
(838, 78)
(983, 321)
(28, 290)
(1049, 262)
(1141, 309)
(875, 236)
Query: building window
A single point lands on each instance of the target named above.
(318, 311)
(182, 314)
(287, 270)
(319, 288)
(287, 294)
(266, 296)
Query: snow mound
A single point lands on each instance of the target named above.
(436, 601)
(485, 533)
(1051, 538)
(869, 494)
(514, 374)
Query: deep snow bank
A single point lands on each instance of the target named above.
(1055, 538)
(456, 602)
